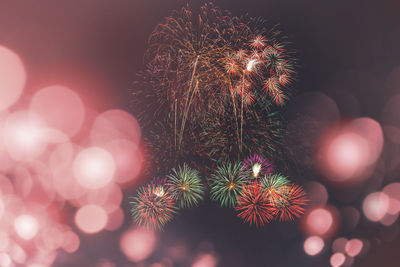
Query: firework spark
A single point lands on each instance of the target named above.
(257, 166)
(227, 184)
(254, 206)
(153, 206)
(186, 186)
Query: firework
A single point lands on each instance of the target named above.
(257, 166)
(153, 206)
(262, 135)
(205, 69)
(184, 54)
(273, 182)
(254, 206)
(186, 186)
(227, 184)
(290, 202)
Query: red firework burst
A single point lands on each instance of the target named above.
(289, 202)
(254, 206)
(153, 206)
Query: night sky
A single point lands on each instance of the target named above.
(348, 51)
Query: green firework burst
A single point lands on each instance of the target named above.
(153, 206)
(186, 186)
(227, 184)
(274, 181)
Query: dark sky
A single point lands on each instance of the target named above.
(98, 46)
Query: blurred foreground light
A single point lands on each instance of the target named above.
(94, 167)
(24, 135)
(115, 220)
(128, 159)
(60, 107)
(5, 260)
(114, 124)
(347, 155)
(70, 242)
(337, 259)
(393, 192)
(348, 151)
(319, 221)
(137, 244)
(12, 77)
(317, 193)
(205, 260)
(1, 207)
(4, 241)
(26, 226)
(372, 131)
(91, 219)
(354, 247)
(375, 206)
(313, 245)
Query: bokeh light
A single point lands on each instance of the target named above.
(372, 131)
(393, 192)
(5, 260)
(375, 206)
(60, 107)
(205, 260)
(137, 244)
(26, 226)
(354, 247)
(313, 245)
(317, 193)
(91, 219)
(337, 259)
(319, 221)
(12, 77)
(71, 242)
(94, 167)
(348, 151)
(346, 155)
(128, 159)
(24, 135)
(114, 124)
